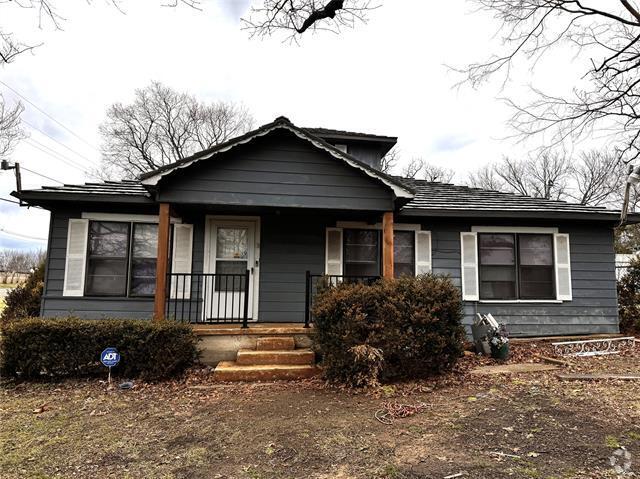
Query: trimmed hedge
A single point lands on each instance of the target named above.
(399, 328)
(37, 347)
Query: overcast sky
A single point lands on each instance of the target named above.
(387, 77)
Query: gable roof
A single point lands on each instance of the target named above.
(400, 189)
(349, 135)
(444, 199)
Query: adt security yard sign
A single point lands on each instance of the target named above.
(110, 357)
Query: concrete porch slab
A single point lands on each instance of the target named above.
(261, 329)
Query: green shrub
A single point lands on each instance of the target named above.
(401, 328)
(38, 347)
(23, 301)
(629, 299)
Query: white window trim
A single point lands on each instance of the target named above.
(515, 230)
(125, 218)
(396, 227)
(378, 226)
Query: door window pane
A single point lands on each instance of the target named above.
(143, 261)
(404, 253)
(231, 243)
(361, 252)
(230, 275)
(107, 258)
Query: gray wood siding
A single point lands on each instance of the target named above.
(290, 245)
(594, 305)
(280, 170)
(54, 304)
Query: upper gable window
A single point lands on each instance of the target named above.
(342, 147)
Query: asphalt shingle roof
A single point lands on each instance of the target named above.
(322, 132)
(432, 196)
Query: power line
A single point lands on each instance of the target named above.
(40, 174)
(55, 155)
(10, 201)
(49, 116)
(59, 142)
(20, 235)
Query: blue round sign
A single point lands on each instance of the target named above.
(110, 357)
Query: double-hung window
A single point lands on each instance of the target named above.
(515, 266)
(121, 259)
(363, 252)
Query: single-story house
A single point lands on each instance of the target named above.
(242, 230)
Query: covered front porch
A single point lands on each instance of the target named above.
(255, 266)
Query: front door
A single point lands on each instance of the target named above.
(231, 253)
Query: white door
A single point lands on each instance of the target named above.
(231, 253)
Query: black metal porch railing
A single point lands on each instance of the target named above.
(208, 298)
(316, 282)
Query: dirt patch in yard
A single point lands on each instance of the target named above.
(519, 425)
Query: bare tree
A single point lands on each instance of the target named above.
(412, 168)
(162, 126)
(486, 179)
(606, 35)
(298, 16)
(46, 14)
(435, 173)
(546, 176)
(389, 162)
(11, 131)
(20, 261)
(598, 179)
(595, 178)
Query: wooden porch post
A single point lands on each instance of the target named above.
(162, 265)
(387, 244)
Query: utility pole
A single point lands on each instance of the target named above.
(5, 166)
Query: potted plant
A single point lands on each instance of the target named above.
(499, 342)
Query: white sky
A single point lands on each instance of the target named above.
(387, 77)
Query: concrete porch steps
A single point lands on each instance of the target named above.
(231, 371)
(250, 357)
(274, 358)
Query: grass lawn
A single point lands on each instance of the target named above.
(517, 426)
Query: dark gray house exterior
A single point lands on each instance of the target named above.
(248, 219)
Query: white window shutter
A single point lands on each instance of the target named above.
(76, 260)
(563, 267)
(333, 252)
(469, 266)
(181, 261)
(423, 252)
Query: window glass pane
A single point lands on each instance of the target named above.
(362, 252)
(536, 282)
(108, 239)
(231, 243)
(143, 277)
(536, 250)
(497, 266)
(230, 283)
(403, 253)
(145, 241)
(497, 249)
(107, 276)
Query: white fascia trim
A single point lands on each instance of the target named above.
(125, 218)
(378, 226)
(397, 190)
(513, 229)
